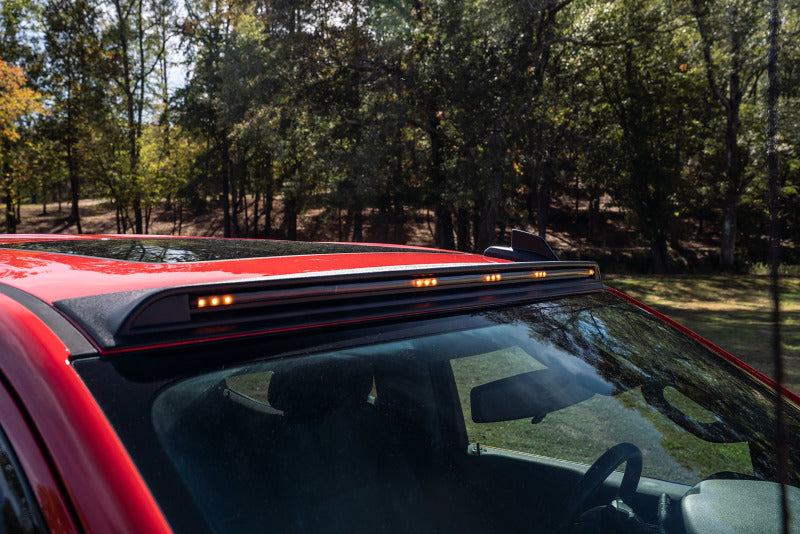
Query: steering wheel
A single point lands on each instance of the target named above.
(599, 472)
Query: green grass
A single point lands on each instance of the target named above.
(732, 311)
(254, 385)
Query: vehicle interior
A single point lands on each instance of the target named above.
(491, 427)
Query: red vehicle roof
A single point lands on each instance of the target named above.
(53, 276)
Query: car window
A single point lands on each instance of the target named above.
(407, 426)
(585, 430)
(18, 510)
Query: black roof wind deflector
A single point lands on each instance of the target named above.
(525, 246)
(179, 315)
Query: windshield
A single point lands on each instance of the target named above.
(467, 423)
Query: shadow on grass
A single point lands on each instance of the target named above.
(715, 291)
(733, 312)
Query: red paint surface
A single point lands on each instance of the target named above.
(758, 375)
(53, 277)
(44, 485)
(99, 478)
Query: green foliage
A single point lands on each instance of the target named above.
(484, 114)
(653, 142)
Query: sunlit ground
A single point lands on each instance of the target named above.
(734, 312)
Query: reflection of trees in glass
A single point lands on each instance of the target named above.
(630, 349)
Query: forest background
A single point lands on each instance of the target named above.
(631, 131)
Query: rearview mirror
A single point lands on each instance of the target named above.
(533, 394)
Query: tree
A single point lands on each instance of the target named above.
(74, 71)
(788, 140)
(472, 75)
(136, 52)
(16, 101)
(649, 99)
(732, 41)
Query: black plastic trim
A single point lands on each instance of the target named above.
(73, 338)
(525, 246)
(164, 316)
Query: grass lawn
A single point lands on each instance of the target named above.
(732, 311)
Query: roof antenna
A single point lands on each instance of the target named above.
(525, 246)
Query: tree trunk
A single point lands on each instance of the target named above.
(398, 211)
(476, 226)
(180, 217)
(493, 192)
(237, 193)
(594, 220)
(358, 222)
(543, 199)
(444, 218)
(256, 214)
(462, 230)
(226, 206)
(268, 197)
(577, 197)
(290, 219)
(486, 234)
(444, 228)
(266, 181)
(138, 218)
(658, 251)
(226, 177)
(8, 197)
(398, 222)
(732, 196)
(728, 240)
(141, 82)
(532, 180)
(69, 143)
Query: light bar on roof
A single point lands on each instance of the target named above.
(181, 315)
(252, 298)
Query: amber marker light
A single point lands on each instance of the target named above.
(539, 274)
(205, 302)
(492, 278)
(591, 272)
(424, 282)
